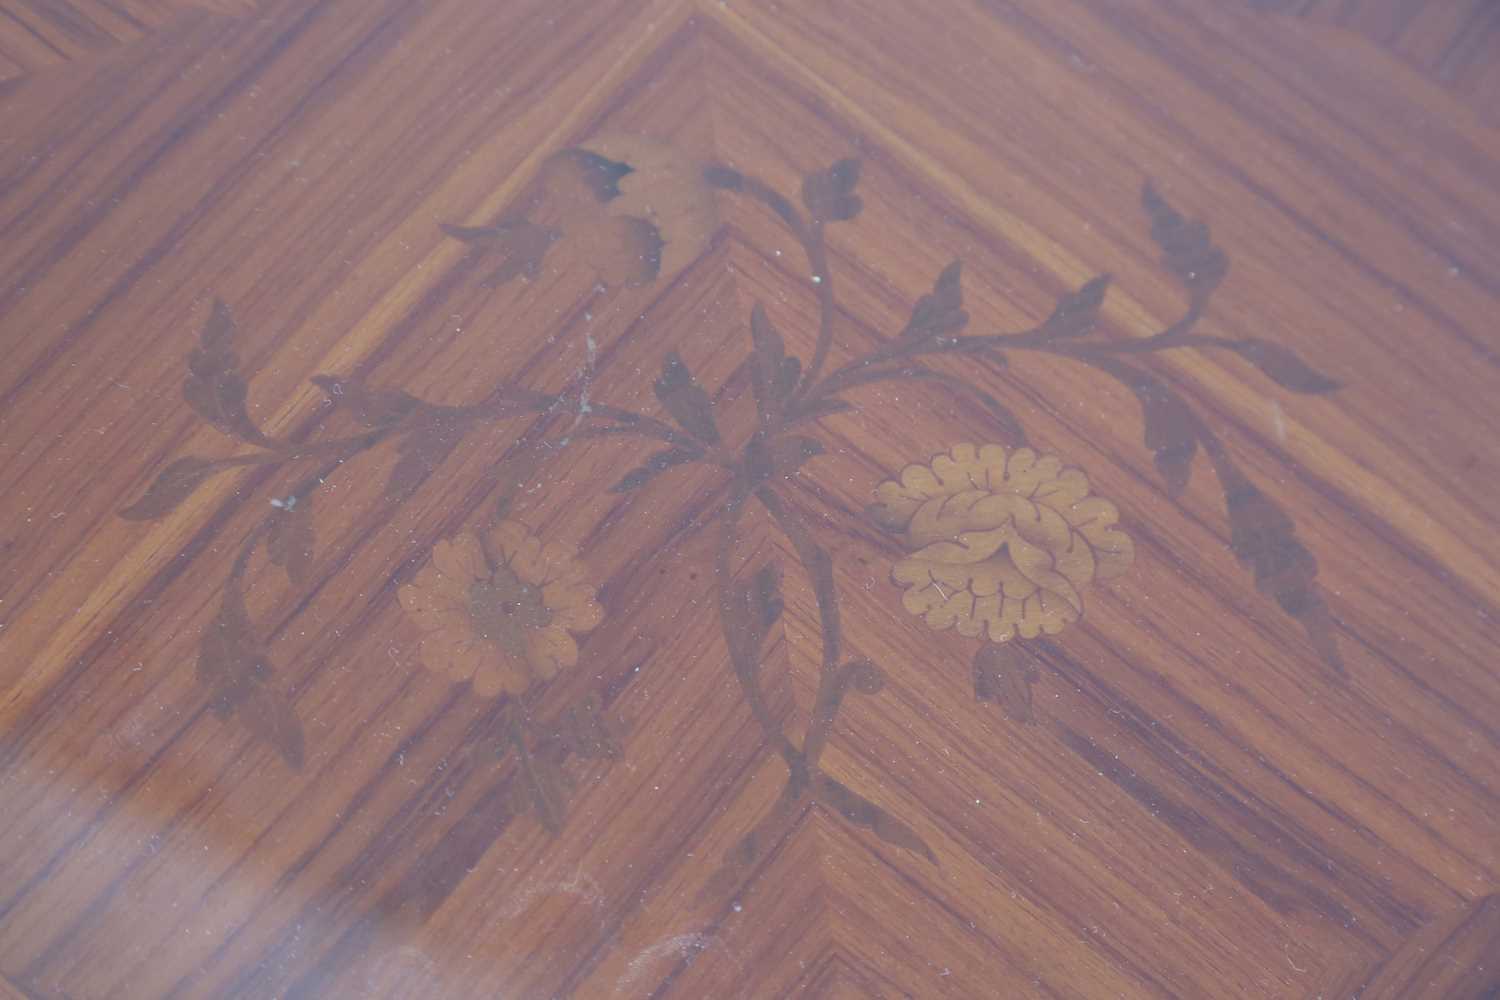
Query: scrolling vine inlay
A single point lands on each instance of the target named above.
(1000, 541)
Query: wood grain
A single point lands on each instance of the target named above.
(1455, 44)
(1450, 957)
(689, 499)
(39, 35)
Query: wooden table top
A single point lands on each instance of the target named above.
(728, 498)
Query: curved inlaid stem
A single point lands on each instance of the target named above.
(745, 663)
(810, 235)
(819, 566)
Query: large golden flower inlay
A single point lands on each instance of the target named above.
(1000, 539)
(501, 608)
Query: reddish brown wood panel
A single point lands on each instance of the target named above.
(698, 499)
(1456, 45)
(38, 34)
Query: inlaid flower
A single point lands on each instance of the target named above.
(1003, 540)
(501, 608)
(628, 209)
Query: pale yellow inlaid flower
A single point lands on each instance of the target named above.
(1000, 539)
(501, 608)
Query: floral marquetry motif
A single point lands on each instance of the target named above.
(731, 500)
(501, 609)
(1002, 542)
(626, 208)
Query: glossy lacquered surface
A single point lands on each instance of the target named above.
(701, 499)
